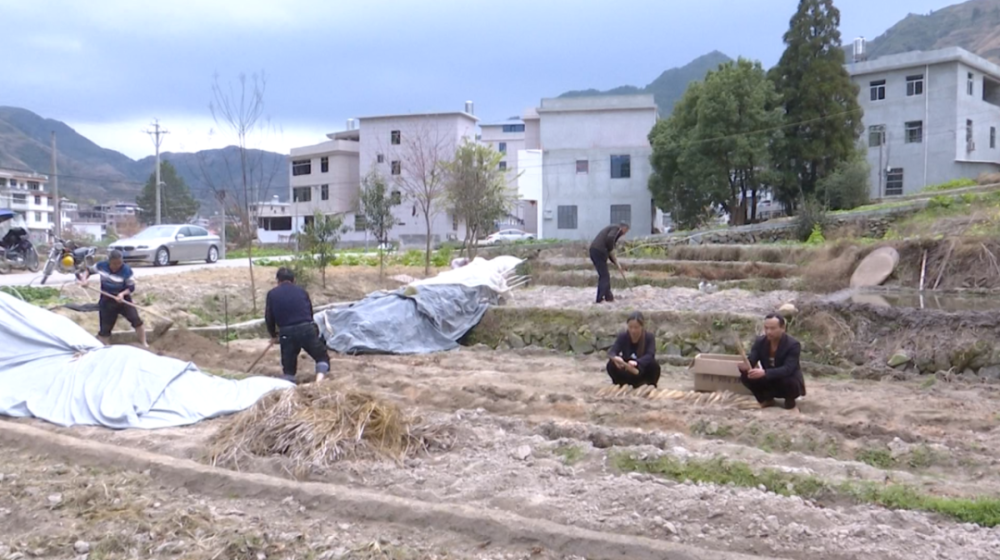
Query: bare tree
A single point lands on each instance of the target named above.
(375, 204)
(421, 154)
(242, 174)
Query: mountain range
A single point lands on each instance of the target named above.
(90, 174)
(668, 88)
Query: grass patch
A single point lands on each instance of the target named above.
(878, 458)
(982, 511)
(32, 294)
(571, 454)
(951, 185)
(928, 383)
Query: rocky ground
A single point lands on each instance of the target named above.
(647, 298)
(531, 437)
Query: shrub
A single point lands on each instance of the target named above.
(848, 187)
(816, 237)
(811, 215)
(940, 201)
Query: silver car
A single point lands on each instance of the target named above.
(164, 244)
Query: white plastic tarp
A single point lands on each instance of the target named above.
(52, 369)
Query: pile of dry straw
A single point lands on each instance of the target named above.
(318, 424)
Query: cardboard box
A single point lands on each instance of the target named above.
(718, 372)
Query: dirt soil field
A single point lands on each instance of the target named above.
(201, 297)
(647, 298)
(533, 439)
(54, 510)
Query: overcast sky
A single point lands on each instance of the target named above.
(108, 67)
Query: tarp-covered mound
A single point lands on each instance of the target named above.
(427, 316)
(52, 369)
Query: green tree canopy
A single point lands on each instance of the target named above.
(714, 150)
(822, 114)
(177, 206)
(319, 238)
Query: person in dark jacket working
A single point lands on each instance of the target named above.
(288, 313)
(118, 285)
(601, 250)
(773, 370)
(633, 355)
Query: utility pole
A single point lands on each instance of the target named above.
(222, 229)
(55, 190)
(156, 133)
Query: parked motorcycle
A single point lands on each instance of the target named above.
(66, 257)
(16, 249)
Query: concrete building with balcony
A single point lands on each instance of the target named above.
(324, 178)
(929, 117)
(593, 154)
(507, 137)
(27, 194)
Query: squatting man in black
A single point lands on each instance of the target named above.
(779, 376)
(288, 314)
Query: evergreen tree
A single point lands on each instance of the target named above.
(177, 206)
(822, 115)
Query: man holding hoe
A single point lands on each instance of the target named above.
(602, 249)
(117, 287)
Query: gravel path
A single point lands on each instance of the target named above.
(648, 298)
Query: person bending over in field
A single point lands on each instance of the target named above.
(633, 355)
(772, 370)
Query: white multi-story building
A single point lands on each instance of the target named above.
(593, 153)
(327, 177)
(929, 117)
(25, 193)
(507, 137)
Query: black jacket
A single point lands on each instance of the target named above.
(287, 305)
(606, 240)
(624, 347)
(786, 359)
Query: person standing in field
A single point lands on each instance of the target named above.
(602, 249)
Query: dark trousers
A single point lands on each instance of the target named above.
(108, 312)
(600, 260)
(648, 375)
(296, 338)
(765, 389)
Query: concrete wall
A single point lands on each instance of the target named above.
(342, 177)
(529, 189)
(594, 129)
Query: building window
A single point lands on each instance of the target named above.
(360, 223)
(970, 85)
(894, 182)
(33, 186)
(876, 135)
(621, 167)
(302, 194)
(3, 182)
(993, 137)
(508, 128)
(380, 158)
(396, 197)
(877, 90)
(394, 137)
(324, 192)
(621, 213)
(503, 166)
(454, 222)
(324, 165)
(914, 132)
(970, 143)
(19, 197)
(38, 201)
(582, 166)
(915, 85)
(38, 216)
(502, 146)
(302, 167)
(566, 217)
(397, 167)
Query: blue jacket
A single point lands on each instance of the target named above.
(109, 285)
